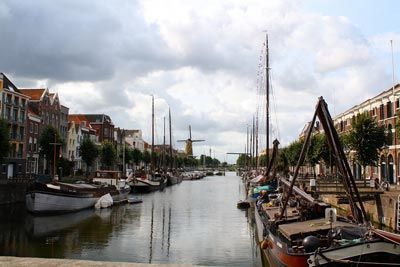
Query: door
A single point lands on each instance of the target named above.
(10, 171)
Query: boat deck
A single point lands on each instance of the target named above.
(306, 227)
(272, 212)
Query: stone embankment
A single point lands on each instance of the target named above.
(33, 262)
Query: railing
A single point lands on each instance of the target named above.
(19, 179)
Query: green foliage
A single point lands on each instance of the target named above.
(89, 151)
(128, 154)
(108, 154)
(4, 140)
(326, 153)
(262, 160)
(146, 157)
(293, 152)
(50, 135)
(366, 138)
(136, 156)
(282, 161)
(66, 167)
(317, 145)
(242, 160)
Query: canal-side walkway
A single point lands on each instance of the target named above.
(33, 262)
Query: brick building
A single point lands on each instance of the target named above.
(384, 109)
(32, 142)
(13, 108)
(101, 123)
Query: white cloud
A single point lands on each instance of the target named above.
(198, 57)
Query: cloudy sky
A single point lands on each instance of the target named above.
(202, 59)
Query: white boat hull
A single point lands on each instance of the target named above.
(42, 202)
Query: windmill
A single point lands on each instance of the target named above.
(189, 141)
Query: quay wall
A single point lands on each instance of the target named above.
(22, 262)
(12, 193)
(382, 210)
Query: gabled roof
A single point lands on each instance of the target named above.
(34, 94)
(94, 118)
(32, 111)
(78, 119)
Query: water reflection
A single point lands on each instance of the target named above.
(195, 222)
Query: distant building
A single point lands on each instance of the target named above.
(32, 142)
(134, 139)
(64, 126)
(384, 109)
(13, 108)
(100, 122)
(78, 129)
(47, 106)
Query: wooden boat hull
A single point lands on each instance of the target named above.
(376, 253)
(275, 253)
(146, 186)
(49, 202)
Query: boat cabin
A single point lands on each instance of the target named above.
(109, 177)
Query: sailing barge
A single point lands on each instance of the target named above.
(296, 229)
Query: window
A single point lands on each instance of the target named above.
(389, 135)
(389, 109)
(30, 127)
(381, 112)
(15, 114)
(22, 117)
(36, 128)
(8, 114)
(21, 133)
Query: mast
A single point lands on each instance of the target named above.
(253, 143)
(247, 150)
(152, 133)
(163, 151)
(267, 99)
(251, 148)
(170, 139)
(256, 141)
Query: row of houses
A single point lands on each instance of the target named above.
(385, 109)
(28, 110)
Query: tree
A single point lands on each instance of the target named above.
(315, 150)
(146, 157)
(108, 154)
(46, 142)
(136, 156)
(293, 152)
(4, 140)
(282, 164)
(89, 152)
(242, 160)
(366, 139)
(64, 167)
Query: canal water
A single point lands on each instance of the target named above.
(195, 222)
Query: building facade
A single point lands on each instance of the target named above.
(13, 108)
(384, 108)
(134, 139)
(32, 142)
(101, 123)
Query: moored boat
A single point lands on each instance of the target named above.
(119, 187)
(297, 229)
(62, 197)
